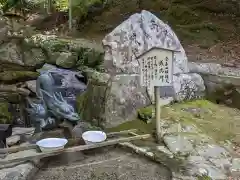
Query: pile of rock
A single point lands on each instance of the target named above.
(22, 56)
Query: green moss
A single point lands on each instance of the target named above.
(17, 76)
(5, 115)
(90, 58)
(81, 99)
(66, 60)
(141, 126)
(94, 98)
(204, 177)
(217, 121)
(145, 113)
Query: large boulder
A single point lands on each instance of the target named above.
(138, 34)
(110, 101)
(141, 32)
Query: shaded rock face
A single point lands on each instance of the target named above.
(222, 83)
(114, 99)
(136, 35)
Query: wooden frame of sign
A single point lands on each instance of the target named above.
(156, 70)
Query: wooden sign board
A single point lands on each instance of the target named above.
(156, 67)
(167, 91)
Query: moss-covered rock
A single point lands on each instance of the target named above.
(113, 99)
(94, 99)
(90, 58)
(5, 115)
(11, 52)
(47, 42)
(66, 60)
(33, 57)
(88, 53)
(9, 66)
(216, 120)
(17, 76)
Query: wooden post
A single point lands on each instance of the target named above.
(156, 70)
(158, 112)
(49, 6)
(70, 14)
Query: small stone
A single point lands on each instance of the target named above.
(178, 144)
(222, 163)
(235, 165)
(21, 131)
(196, 165)
(13, 140)
(165, 150)
(202, 171)
(31, 85)
(22, 154)
(212, 151)
(14, 175)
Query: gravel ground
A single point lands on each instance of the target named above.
(103, 164)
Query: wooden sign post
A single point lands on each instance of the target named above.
(156, 70)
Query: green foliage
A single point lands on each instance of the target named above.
(145, 113)
(5, 115)
(204, 177)
(6, 5)
(79, 8)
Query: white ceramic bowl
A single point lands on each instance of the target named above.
(91, 137)
(52, 144)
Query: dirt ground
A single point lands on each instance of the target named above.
(103, 164)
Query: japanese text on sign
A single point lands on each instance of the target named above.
(156, 68)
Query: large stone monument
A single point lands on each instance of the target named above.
(116, 94)
(140, 33)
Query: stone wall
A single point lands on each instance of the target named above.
(21, 56)
(222, 83)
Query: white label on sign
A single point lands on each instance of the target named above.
(156, 68)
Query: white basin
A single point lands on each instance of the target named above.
(52, 144)
(91, 137)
